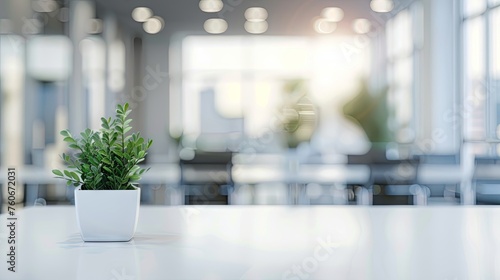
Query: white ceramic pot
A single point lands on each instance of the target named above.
(107, 215)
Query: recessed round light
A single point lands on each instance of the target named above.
(256, 27)
(256, 14)
(381, 6)
(211, 6)
(333, 14)
(215, 25)
(141, 14)
(361, 26)
(324, 26)
(153, 25)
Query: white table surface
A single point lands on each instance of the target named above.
(265, 242)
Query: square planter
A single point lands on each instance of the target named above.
(107, 215)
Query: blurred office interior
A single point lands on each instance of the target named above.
(371, 102)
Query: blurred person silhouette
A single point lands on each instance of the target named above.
(356, 127)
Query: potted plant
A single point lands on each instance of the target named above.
(104, 169)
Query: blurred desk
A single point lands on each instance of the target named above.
(34, 176)
(265, 242)
(298, 177)
(29, 174)
(305, 173)
(440, 174)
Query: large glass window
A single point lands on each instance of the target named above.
(403, 50)
(245, 77)
(481, 70)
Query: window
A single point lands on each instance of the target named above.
(481, 70)
(403, 51)
(12, 61)
(244, 76)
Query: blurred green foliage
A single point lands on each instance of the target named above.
(369, 110)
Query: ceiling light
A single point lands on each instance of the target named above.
(324, 26)
(215, 25)
(256, 27)
(361, 26)
(211, 6)
(153, 25)
(256, 14)
(141, 14)
(333, 14)
(381, 6)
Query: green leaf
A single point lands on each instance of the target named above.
(118, 153)
(107, 169)
(75, 176)
(57, 172)
(141, 154)
(74, 146)
(69, 140)
(135, 178)
(65, 133)
(104, 123)
(67, 173)
(134, 169)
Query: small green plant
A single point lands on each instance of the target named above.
(106, 159)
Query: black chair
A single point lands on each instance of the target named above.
(390, 179)
(206, 178)
(486, 179)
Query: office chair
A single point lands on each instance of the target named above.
(206, 178)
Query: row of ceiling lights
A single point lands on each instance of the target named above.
(213, 25)
(150, 23)
(330, 16)
(256, 18)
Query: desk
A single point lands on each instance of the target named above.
(265, 242)
(35, 176)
